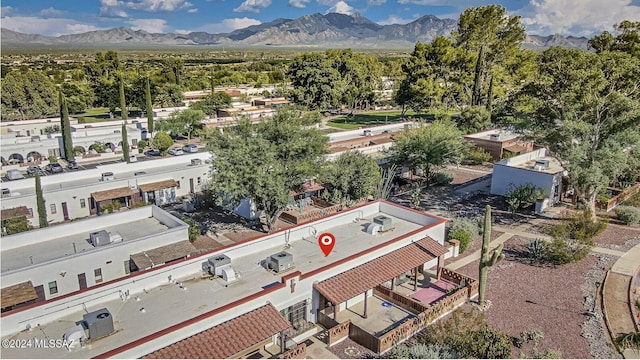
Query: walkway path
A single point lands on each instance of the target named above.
(616, 297)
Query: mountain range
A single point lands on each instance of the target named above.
(315, 30)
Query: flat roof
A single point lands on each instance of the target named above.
(62, 246)
(18, 294)
(163, 254)
(504, 135)
(554, 165)
(201, 293)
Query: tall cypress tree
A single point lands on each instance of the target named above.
(42, 211)
(123, 101)
(65, 127)
(477, 80)
(490, 96)
(147, 94)
(125, 144)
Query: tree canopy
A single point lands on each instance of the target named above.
(354, 174)
(212, 103)
(264, 162)
(183, 122)
(429, 147)
(585, 108)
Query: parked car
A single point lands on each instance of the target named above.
(54, 168)
(367, 133)
(32, 170)
(175, 151)
(132, 158)
(72, 165)
(190, 148)
(14, 174)
(152, 153)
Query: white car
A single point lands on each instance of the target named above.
(175, 151)
(132, 158)
(190, 148)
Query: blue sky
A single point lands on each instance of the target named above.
(53, 18)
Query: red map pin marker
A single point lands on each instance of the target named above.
(326, 241)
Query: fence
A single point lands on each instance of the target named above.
(338, 333)
(364, 338)
(459, 279)
(298, 352)
(326, 320)
(400, 300)
(616, 200)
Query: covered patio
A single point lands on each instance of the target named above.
(125, 196)
(355, 287)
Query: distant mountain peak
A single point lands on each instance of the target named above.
(328, 30)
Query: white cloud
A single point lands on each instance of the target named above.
(254, 6)
(393, 19)
(375, 2)
(192, 11)
(119, 8)
(51, 12)
(5, 10)
(148, 25)
(227, 25)
(158, 5)
(299, 3)
(48, 27)
(112, 8)
(568, 18)
(341, 7)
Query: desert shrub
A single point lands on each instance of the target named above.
(468, 226)
(17, 225)
(628, 214)
(443, 178)
(463, 237)
(141, 145)
(573, 239)
(194, 229)
(536, 250)
(468, 335)
(522, 196)
(416, 198)
(78, 150)
(477, 156)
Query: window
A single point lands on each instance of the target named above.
(178, 184)
(199, 180)
(127, 267)
(53, 287)
(30, 213)
(98, 275)
(53, 209)
(83, 203)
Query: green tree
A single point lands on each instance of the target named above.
(182, 122)
(585, 108)
(27, 95)
(125, 144)
(316, 84)
(123, 100)
(65, 127)
(170, 95)
(212, 103)
(149, 106)
(264, 162)
(627, 40)
(42, 210)
(162, 141)
(355, 175)
(79, 96)
(474, 119)
(493, 37)
(430, 147)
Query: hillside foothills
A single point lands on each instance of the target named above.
(315, 30)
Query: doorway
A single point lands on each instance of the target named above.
(82, 281)
(65, 211)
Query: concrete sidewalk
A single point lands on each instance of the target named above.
(616, 305)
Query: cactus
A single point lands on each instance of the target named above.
(488, 258)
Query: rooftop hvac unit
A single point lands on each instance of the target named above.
(541, 165)
(373, 229)
(281, 261)
(103, 237)
(99, 323)
(196, 161)
(494, 136)
(384, 221)
(214, 265)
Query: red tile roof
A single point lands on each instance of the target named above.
(228, 338)
(356, 281)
